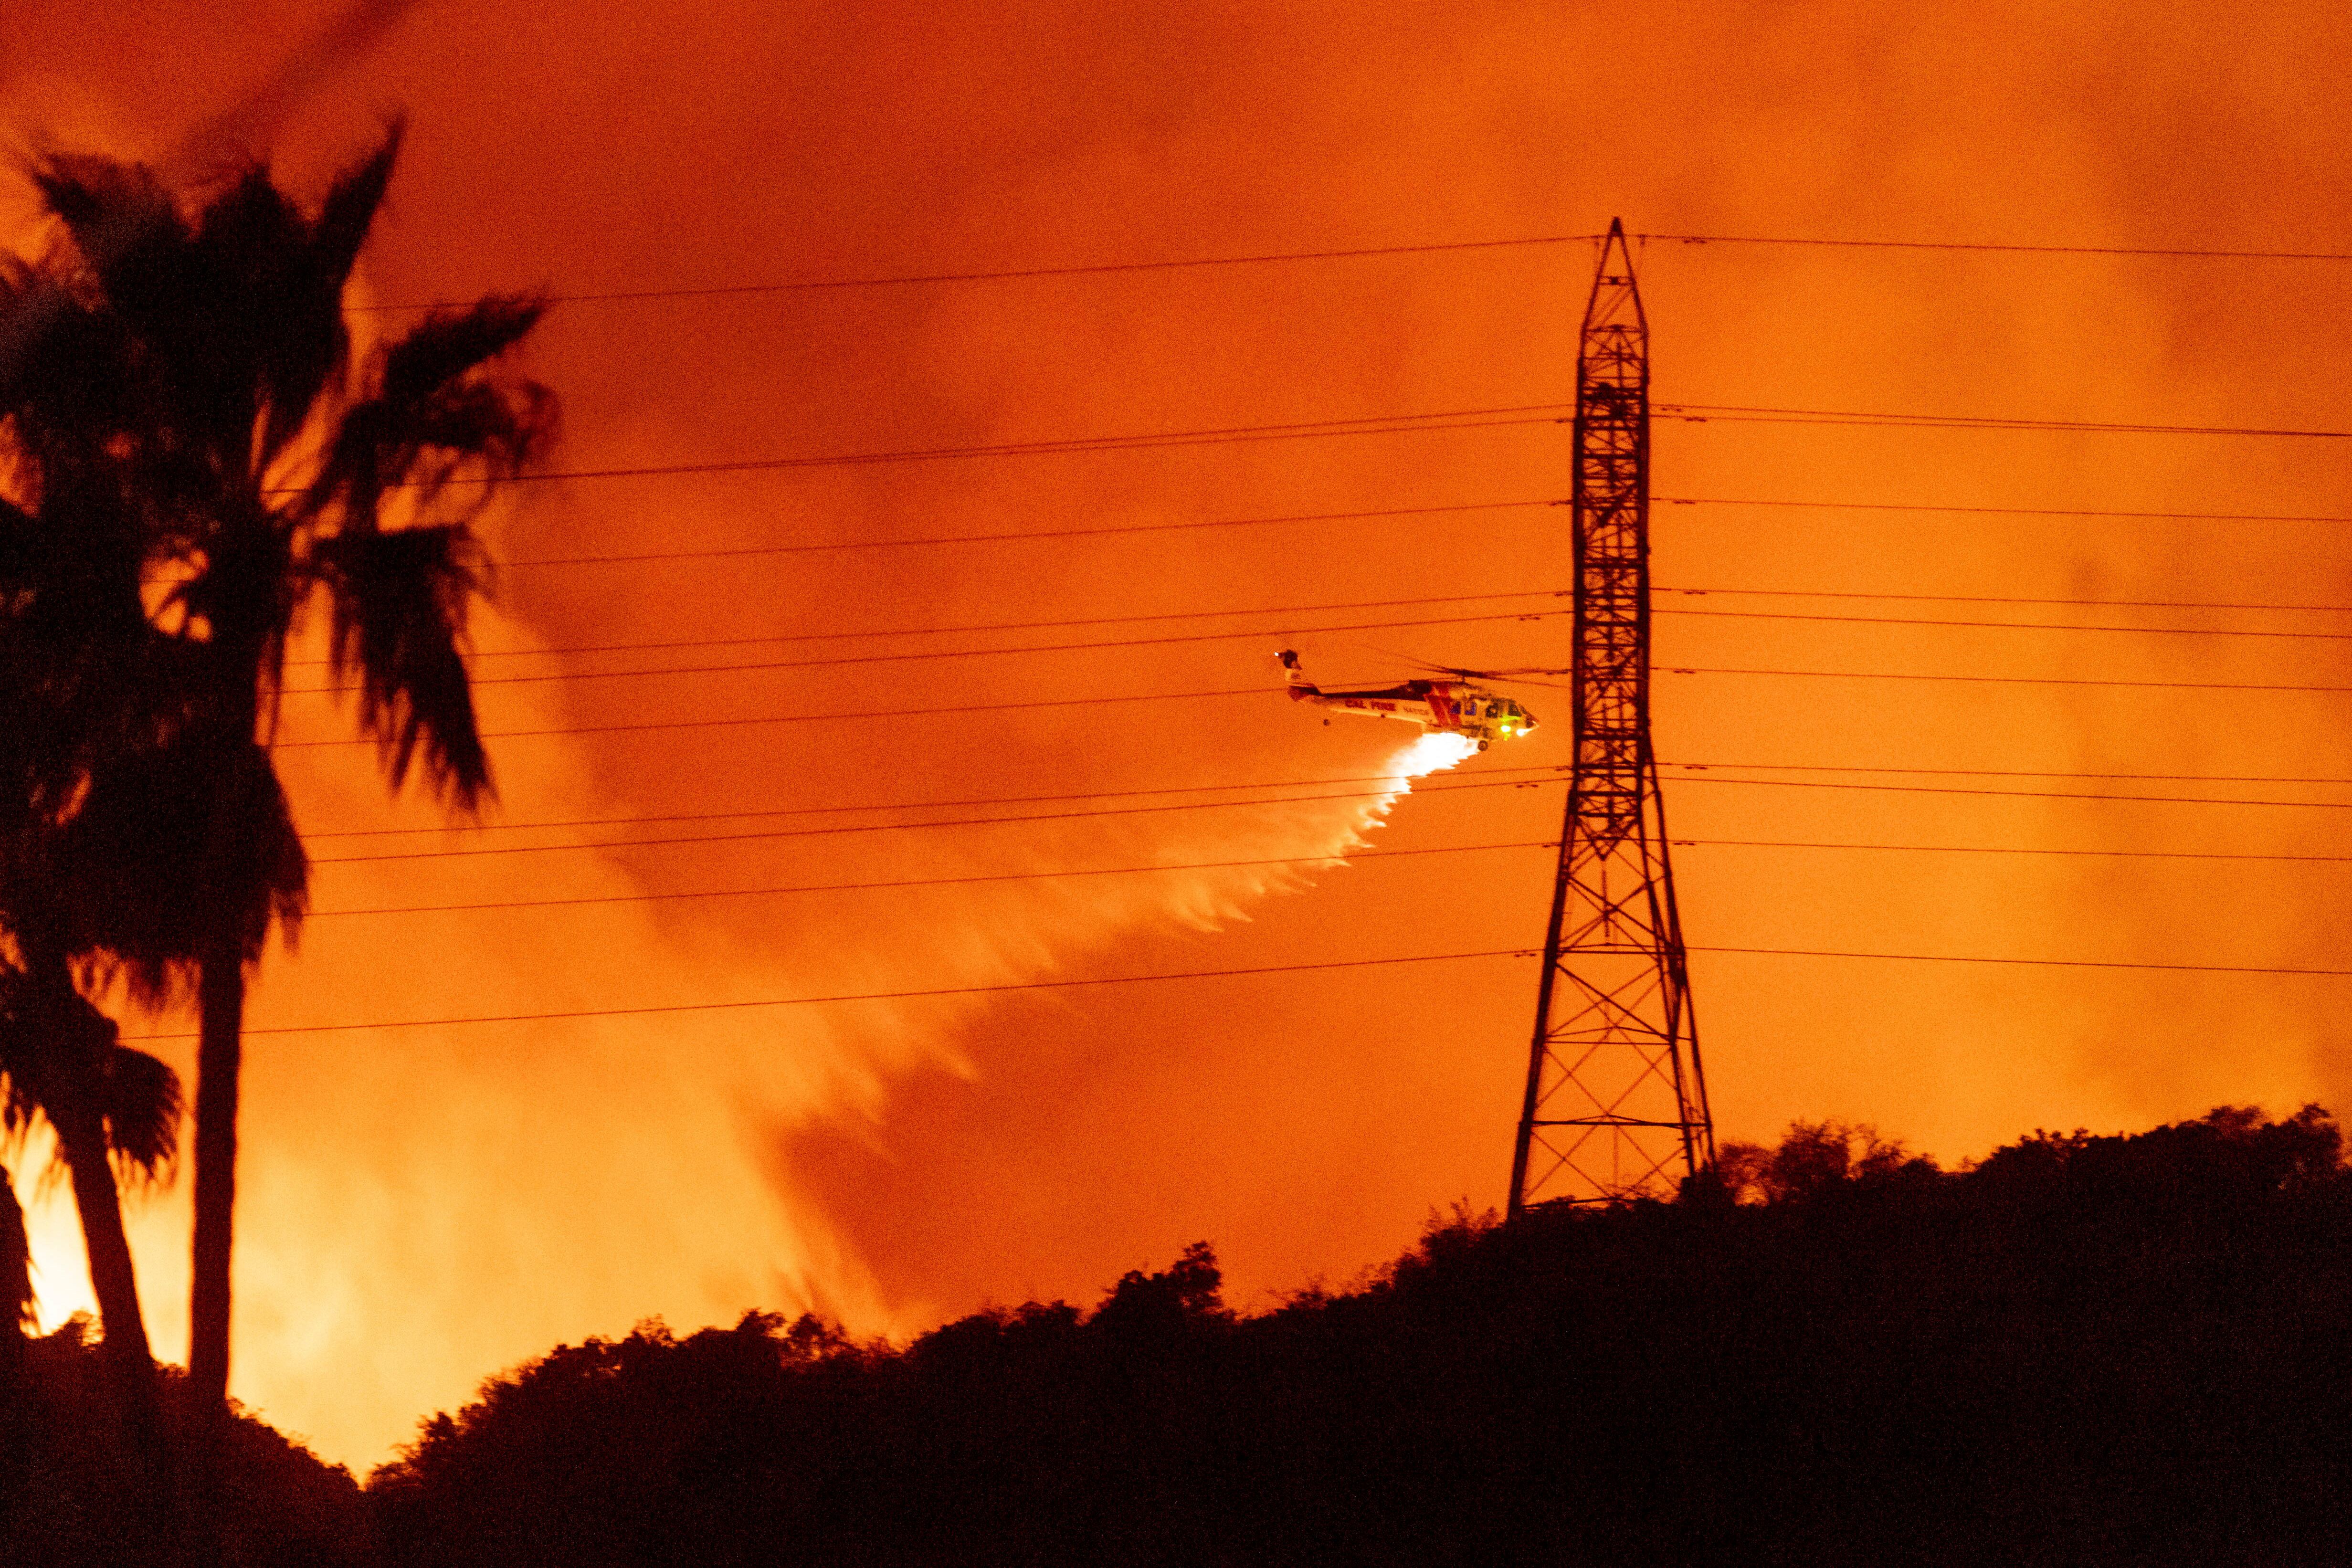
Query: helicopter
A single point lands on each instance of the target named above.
(1448, 706)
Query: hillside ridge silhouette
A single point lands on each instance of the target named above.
(2082, 1349)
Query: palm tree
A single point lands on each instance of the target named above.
(271, 468)
(115, 1111)
(88, 724)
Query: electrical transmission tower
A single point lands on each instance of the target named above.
(1616, 1102)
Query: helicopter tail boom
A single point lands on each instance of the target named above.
(1300, 686)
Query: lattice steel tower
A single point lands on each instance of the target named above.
(1616, 1102)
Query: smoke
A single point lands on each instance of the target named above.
(423, 1206)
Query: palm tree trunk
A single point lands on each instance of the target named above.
(81, 1140)
(15, 1300)
(73, 1096)
(220, 993)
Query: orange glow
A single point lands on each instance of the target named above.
(422, 1207)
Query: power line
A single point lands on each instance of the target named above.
(1045, 625)
(1396, 779)
(815, 717)
(2019, 250)
(985, 821)
(2009, 794)
(1999, 680)
(762, 666)
(2007, 599)
(653, 725)
(1732, 413)
(868, 995)
(931, 540)
(1360, 626)
(988, 653)
(1691, 770)
(1376, 425)
(1022, 534)
(897, 827)
(928, 540)
(2002, 850)
(1207, 975)
(1304, 610)
(2003, 625)
(2003, 511)
(901, 280)
(1373, 424)
(1335, 859)
(2039, 963)
(2013, 772)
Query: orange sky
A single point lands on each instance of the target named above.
(422, 1206)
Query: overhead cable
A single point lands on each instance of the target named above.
(1018, 535)
(2008, 794)
(1397, 789)
(2168, 251)
(2005, 680)
(867, 995)
(2002, 850)
(1083, 269)
(2002, 511)
(813, 717)
(1399, 780)
(1169, 641)
(2010, 599)
(941, 991)
(1697, 772)
(1335, 860)
(1732, 413)
(2036, 963)
(1306, 430)
(1269, 690)
(745, 667)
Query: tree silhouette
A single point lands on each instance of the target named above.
(2084, 1350)
(112, 1109)
(1813, 1158)
(16, 1296)
(267, 467)
(89, 697)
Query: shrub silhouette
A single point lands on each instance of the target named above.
(2082, 1350)
(280, 1507)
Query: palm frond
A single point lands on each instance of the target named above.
(169, 843)
(449, 345)
(127, 228)
(66, 381)
(348, 211)
(295, 273)
(143, 1105)
(435, 411)
(20, 1059)
(399, 602)
(248, 321)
